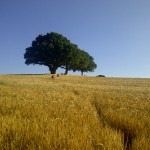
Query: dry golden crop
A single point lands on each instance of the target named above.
(74, 113)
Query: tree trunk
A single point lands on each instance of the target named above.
(81, 73)
(66, 71)
(53, 69)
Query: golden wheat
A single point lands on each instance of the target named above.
(73, 113)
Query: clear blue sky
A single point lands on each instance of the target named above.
(115, 32)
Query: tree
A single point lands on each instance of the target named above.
(71, 57)
(86, 63)
(47, 50)
(91, 65)
(54, 50)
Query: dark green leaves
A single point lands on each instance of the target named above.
(54, 50)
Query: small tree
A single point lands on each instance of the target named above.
(86, 63)
(91, 65)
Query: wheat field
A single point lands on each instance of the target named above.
(74, 113)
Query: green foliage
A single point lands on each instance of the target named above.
(71, 57)
(47, 50)
(54, 50)
(100, 76)
(86, 63)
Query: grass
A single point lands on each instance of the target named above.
(73, 113)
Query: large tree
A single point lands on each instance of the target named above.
(54, 50)
(47, 50)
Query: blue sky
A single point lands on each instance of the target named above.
(115, 32)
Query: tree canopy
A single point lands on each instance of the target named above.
(54, 50)
(86, 63)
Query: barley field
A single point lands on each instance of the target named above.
(74, 113)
